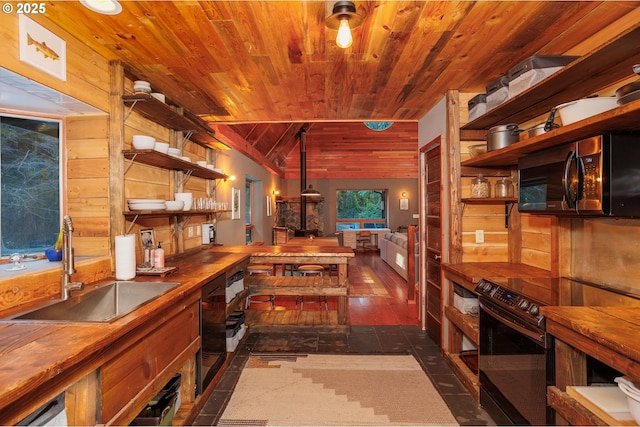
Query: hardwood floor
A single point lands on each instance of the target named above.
(373, 311)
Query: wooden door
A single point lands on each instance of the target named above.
(432, 161)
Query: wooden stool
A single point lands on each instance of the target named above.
(260, 269)
(308, 270)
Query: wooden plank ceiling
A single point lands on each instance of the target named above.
(257, 71)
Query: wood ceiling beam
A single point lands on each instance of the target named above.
(230, 137)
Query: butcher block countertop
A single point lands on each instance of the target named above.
(474, 271)
(34, 354)
(609, 334)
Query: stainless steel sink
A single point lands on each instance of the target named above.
(102, 305)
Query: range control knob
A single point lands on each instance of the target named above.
(534, 310)
(523, 304)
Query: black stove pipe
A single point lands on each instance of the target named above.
(303, 178)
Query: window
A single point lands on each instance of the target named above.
(30, 196)
(361, 209)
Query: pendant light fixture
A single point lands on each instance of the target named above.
(310, 192)
(344, 19)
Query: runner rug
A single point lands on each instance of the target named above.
(364, 282)
(331, 390)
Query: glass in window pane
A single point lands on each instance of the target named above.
(30, 179)
(361, 204)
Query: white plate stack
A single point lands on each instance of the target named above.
(146, 204)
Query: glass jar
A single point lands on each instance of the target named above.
(480, 187)
(504, 188)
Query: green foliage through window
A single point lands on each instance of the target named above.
(361, 204)
(30, 184)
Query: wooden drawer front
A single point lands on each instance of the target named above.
(128, 373)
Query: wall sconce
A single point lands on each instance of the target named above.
(404, 201)
(344, 19)
(276, 192)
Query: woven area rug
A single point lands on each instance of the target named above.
(365, 283)
(331, 390)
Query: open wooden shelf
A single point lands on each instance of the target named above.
(171, 117)
(467, 324)
(158, 159)
(621, 119)
(580, 78)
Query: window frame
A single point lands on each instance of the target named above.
(359, 223)
(62, 161)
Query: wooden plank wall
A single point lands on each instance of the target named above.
(87, 183)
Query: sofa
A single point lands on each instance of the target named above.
(394, 251)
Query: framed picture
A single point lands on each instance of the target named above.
(269, 206)
(41, 48)
(404, 204)
(147, 238)
(235, 203)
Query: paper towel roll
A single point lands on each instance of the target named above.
(125, 257)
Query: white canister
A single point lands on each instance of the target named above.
(187, 198)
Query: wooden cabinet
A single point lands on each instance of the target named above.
(607, 334)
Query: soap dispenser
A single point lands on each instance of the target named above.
(158, 257)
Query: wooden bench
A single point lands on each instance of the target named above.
(301, 286)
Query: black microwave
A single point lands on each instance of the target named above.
(597, 176)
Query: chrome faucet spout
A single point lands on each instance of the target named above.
(68, 263)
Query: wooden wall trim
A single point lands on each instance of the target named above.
(116, 145)
(452, 165)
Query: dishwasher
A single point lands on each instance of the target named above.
(51, 413)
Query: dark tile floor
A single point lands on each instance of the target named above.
(392, 339)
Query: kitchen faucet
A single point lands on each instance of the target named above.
(68, 267)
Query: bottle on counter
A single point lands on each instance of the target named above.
(158, 257)
(504, 188)
(480, 187)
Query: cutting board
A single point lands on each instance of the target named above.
(607, 402)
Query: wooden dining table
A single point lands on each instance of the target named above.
(320, 250)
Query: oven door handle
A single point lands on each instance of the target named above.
(524, 331)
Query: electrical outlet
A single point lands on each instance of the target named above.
(479, 236)
(189, 231)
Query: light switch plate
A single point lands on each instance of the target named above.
(479, 236)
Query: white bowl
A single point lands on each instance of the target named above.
(201, 163)
(574, 111)
(176, 152)
(159, 96)
(633, 400)
(142, 86)
(185, 158)
(162, 147)
(175, 205)
(143, 142)
(145, 201)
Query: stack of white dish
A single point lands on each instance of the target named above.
(187, 198)
(162, 147)
(633, 396)
(146, 204)
(141, 86)
(218, 170)
(143, 142)
(201, 163)
(175, 205)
